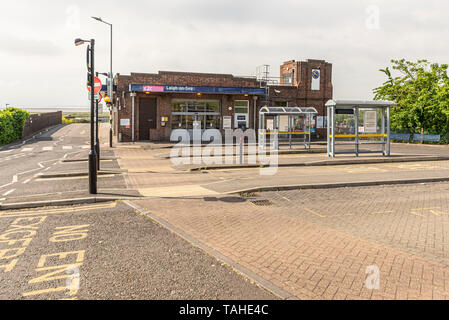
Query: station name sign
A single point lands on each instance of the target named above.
(192, 89)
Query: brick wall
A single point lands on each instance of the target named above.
(299, 94)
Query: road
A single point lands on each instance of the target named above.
(107, 252)
(98, 251)
(23, 164)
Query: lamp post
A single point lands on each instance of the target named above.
(97, 139)
(110, 83)
(92, 153)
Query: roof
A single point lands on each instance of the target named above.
(288, 110)
(360, 103)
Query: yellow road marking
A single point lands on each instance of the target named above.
(382, 212)
(360, 136)
(76, 178)
(314, 213)
(58, 211)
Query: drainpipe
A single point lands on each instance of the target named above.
(255, 112)
(133, 95)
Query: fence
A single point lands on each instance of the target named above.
(37, 122)
(418, 137)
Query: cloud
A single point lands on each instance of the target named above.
(210, 36)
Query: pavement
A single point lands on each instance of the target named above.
(311, 228)
(328, 244)
(152, 174)
(107, 252)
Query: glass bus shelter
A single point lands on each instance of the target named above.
(358, 125)
(286, 123)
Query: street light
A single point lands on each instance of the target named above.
(92, 154)
(110, 83)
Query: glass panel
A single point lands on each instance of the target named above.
(213, 122)
(178, 122)
(193, 106)
(241, 106)
(179, 106)
(213, 106)
(242, 103)
(241, 110)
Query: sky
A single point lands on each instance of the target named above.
(41, 67)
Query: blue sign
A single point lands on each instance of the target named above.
(316, 74)
(193, 89)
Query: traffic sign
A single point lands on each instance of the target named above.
(98, 97)
(97, 85)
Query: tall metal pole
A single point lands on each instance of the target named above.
(97, 139)
(111, 90)
(92, 154)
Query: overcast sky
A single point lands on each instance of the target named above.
(41, 67)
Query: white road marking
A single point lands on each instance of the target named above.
(65, 156)
(85, 147)
(9, 192)
(27, 149)
(47, 148)
(26, 181)
(5, 185)
(83, 132)
(15, 179)
(67, 148)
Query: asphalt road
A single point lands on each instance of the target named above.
(22, 163)
(107, 251)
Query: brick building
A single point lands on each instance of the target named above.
(150, 106)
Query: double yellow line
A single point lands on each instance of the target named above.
(58, 211)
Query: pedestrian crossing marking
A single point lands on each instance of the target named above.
(27, 149)
(47, 148)
(67, 148)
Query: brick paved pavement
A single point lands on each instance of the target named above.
(317, 244)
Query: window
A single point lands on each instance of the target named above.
(186, 113)
(287, 78)
(241, 106)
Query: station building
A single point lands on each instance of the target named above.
(150, 106)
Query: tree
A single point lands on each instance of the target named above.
(421, 91)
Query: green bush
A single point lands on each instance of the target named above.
(12, 123)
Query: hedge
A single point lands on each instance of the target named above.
(12, 123)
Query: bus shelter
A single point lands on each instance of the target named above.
(286, 123)
(358, 124)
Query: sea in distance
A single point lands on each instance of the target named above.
(54, 109)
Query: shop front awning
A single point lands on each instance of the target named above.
(288, 111)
